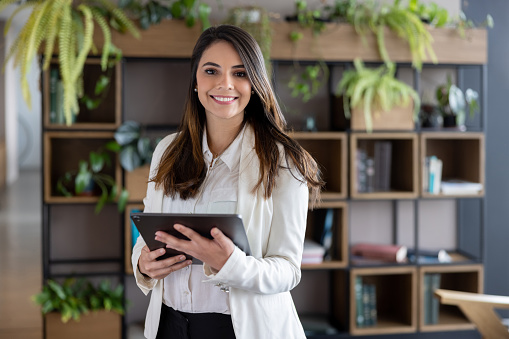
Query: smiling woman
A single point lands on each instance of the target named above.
(231, 155)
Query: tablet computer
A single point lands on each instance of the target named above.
(149, 223)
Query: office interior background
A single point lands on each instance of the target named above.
(20, 204)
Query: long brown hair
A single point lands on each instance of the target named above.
(182, 168)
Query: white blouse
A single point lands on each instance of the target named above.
(184, 290)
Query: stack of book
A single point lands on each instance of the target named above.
(456, 186)
(365, 303)
(431, 303)
(313, 252)
(429, 256)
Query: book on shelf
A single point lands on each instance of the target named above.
(433, 174)
(428, 256)
(365, 303)
(384, 252)
(457, 186)
(431, 305)
(327, 234)
(382, 163)
(313, 252)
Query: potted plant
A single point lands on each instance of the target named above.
(70, 26)
(153, 12)
(90, 180)
(135, 153)
(452, 104)
(78, 306)
(369, 95)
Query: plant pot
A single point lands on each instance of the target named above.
(97, 325)
(398, 118)
(136, 182)
(449, 121)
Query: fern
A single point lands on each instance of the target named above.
(57, 21)
(374, 90)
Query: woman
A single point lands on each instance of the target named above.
(230, 155)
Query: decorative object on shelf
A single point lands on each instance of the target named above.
(70, 25)
(151, 12)
(452, 103)
(375, 91)
(254, 20)
(76, 297)
(430, 116)
(134, 150)
(89, 177)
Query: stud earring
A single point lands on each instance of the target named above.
(252, 92)
(196, 89)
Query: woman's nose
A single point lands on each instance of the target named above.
(225, 82)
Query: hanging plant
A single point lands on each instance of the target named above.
(69, 26)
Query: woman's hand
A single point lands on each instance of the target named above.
(214, 252)
(159, 269)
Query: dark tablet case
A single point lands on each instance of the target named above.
(149, 223)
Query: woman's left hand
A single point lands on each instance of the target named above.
(214, 252)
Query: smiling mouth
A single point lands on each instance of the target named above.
(224, 100)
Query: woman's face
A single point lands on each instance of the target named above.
(223, 86)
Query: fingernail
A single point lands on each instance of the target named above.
(162, 251)
(182, 257)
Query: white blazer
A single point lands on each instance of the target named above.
(260, 302)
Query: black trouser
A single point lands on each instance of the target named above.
(180, 325)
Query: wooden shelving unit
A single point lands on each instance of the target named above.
(107, 116)
(403, 166)
(465, 278)
(339, 251)
(63, 151)
(331, 159)
(463, 156)
(398, 287)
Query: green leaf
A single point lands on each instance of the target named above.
(83, 178)
(128, 132)
(129, 158)
(96, 161)
(55, 287)
(101, 84)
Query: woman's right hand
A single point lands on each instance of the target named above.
(159, 269)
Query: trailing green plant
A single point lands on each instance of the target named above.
(70, 25)
(152, 12)
(76, 297)
(89, 173)
(307, 82)
(462, 23)
(374, 90)
(368, 16)
(430, 13)
(308, 19)
(134, 149)
(254, 20)
(453, 102)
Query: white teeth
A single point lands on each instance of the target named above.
(224, 99)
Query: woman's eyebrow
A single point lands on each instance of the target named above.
(209, 63)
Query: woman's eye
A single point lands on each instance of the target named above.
(241, 74)
(210, 71)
